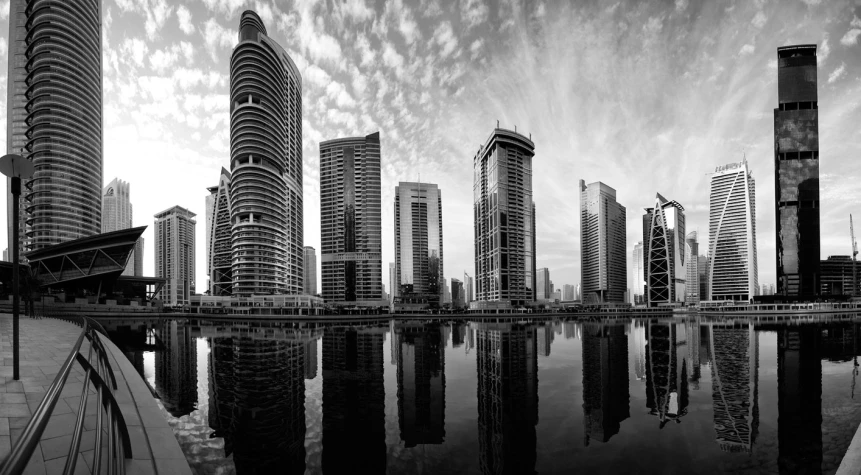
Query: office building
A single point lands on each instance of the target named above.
(796, 172)
(174, 254)
(602, 245)
(703, 269)
(62, 201)
(350, 257)
(732, 270)
(393, 291)
(504, 219)
(117, 215)
(468, 293)
(310, 271)
(543, 286)
(836, 276)
(457, 297)
(578, 293)
(692, 274)
(638, 276)
(218, 236)
(418, 243)
(567, 292)
(665, 269)
(266, 165)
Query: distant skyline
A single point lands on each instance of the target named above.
(610, 92)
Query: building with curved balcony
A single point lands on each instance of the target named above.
(62, 94)
(267, 251)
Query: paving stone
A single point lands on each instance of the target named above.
(172, 467)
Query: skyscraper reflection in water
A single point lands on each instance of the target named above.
(735, 377)
(507, 364)
(354, 432)
(667, 369)
(605, 380)
(257, 403)
(176, 368)
(421, 383)
(799, 399)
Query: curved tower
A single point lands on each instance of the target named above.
(266, 165)
(63, 120)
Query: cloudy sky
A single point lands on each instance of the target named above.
(646, 96)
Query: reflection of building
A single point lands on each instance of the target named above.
(176, 368)
(174, 254)
(257, 403)
(311, 359)
(665, 266)
(418, 243)
(507, 397)
(735, 376)
(799, 399)
(544, 334)
(458, 334)
(350, 256)
(602, 244)
(354, 429)
(732, 267)
(692, 273)
(218, 230)
(638, 329)
(693, 339)
(605, 381)
(667, 371)
(796, 171)
(117, 215)
(265, 165)
(421, 384)
(504, 219)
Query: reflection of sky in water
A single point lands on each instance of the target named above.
(610, 385)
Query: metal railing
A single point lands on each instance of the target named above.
(99, 373)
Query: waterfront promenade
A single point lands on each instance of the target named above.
(45, 344)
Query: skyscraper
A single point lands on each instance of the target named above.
(174, 254)
(602, 244)
(732, 234)
(703, 269)
(218, 236)
(310, 269)
(457, 298)
(117, 215)
(638, 275)
(468, 292)
(504, 219)
(567, 292)
(543, 284)
(350, 210)
(418, 242)
(692, 279)
(665, 272)
(796, 172)
(393, 291)
(54, 100)
(266, 164)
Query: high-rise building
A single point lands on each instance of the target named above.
(692, 279)
(504, 219)
(543, 284)
(638, 275)
(468, 292)
(666, 272)
(54, 118)
(602, 244)
(703, 269)
(578, 292)
(836, 276)
(457, 298)
(218, 236)
(418, 242)
(310, 270)
(796, 172)
(732, 270)
(174, 254)
(351, 255)
(265, 164)
(567, 292)
(117, 215)
(393, 291)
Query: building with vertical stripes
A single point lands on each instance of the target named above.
(603, 256)
(117, 215)
(419, 243)
(174, 254)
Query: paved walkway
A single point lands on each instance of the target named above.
(45, 344)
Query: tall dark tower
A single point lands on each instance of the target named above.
(796, 172)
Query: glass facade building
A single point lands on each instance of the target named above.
(692, 274)
(350, 215)
(504, 216)
(666, 272)
(310, 271)
(732, 267)
(796, 172)
(604, 260)
(117, 215)
(267, 249)
(418, 243)
(638, 276)
(218, 236)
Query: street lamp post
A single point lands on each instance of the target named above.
(15, 167)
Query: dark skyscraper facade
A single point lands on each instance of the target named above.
(504, 219)
(350, 215)
(265, 164)
(605, 381)
(54, 104)
(796, 172)
(421, 383)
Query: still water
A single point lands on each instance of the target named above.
(679, 395)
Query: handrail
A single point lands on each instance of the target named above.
(118, 442)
